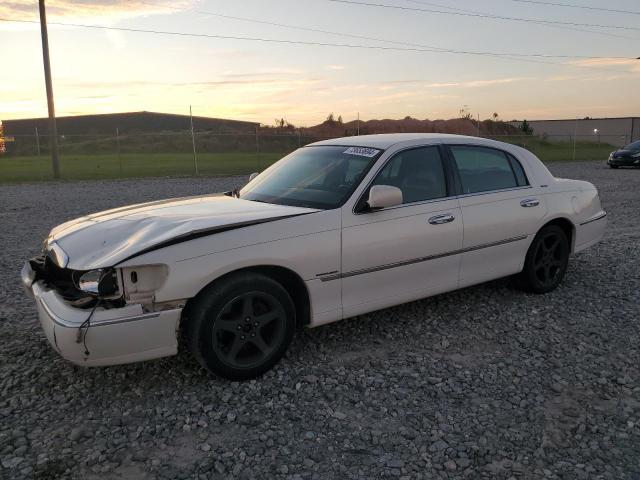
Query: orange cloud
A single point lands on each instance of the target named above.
(89, 9)
(633, 65)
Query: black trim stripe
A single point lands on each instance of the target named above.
(206, 232)
(420, 259)
(598, 217)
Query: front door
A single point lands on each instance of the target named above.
(405, 252)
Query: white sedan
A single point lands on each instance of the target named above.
(335, 229)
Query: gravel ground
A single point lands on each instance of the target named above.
(486, 382)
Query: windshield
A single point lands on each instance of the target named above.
(633, 146)
(315, 177)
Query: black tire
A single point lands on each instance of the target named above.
(546, 261)
(613, 166)
(241, 326)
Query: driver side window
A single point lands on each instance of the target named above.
(418, 173)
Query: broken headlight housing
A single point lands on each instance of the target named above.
(101, 282)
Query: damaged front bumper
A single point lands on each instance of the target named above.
(113, 335)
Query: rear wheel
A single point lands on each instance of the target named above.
(546, 261)
(240, 328)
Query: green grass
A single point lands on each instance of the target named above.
(548, 151)
(86, 167)
(136, 165)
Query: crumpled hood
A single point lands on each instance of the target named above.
(106, 238)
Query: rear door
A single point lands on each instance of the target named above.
(500, 212)
(405, 252)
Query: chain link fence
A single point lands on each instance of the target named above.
(117, 155)
(551, 148)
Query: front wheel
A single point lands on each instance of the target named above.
(546, 261)
(241, 326)
(613, 166)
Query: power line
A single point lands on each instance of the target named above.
(481, 15)
(310, 43)
(573, 5)
(396, 42)
(564, 27)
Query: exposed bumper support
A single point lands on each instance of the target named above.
(117, 335)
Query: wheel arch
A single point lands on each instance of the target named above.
(567, 227)
(290, 280)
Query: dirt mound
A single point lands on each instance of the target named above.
(460, 126)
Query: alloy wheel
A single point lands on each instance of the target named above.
(549, 259)
(249, 329)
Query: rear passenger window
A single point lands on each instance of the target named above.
(418, 172)
(519, 171)
(484, 169)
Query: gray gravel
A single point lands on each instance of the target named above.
(486, 382)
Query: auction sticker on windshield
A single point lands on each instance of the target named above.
(362, 151)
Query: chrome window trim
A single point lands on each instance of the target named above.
(412, 261)
(442, 199)
(489, 192)
(422, 202)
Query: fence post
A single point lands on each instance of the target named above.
(118, 149)
(575, 134)
(37, 142)
(257, 151)
(257, 142)
(193, 142)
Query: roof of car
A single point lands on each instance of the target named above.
(386, 140)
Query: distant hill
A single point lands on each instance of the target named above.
(460, 126)
(127, 122)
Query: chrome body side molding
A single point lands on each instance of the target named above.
(337, 276)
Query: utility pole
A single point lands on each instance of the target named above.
(358, 125)
(53, 129)
(193, 142)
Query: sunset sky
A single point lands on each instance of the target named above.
(102, 71)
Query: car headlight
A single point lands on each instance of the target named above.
(100, 282)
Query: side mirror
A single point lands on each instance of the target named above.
(253, 175)
(384, 196)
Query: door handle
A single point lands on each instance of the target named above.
(530, 202)
(440, 219)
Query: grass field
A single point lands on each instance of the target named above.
(133, 165)
(84, 167)
(548, 151)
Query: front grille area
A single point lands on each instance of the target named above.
(62, 280)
